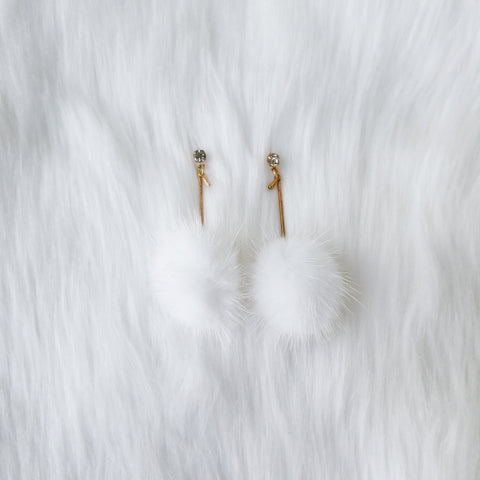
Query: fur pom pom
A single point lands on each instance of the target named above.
(196, 281)
(298, 288)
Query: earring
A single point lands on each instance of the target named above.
(195, 273)
(298, 289)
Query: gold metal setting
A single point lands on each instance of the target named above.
(273, 161)
(200, 158)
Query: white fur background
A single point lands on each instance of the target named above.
(374, 108)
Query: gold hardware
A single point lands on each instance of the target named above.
(200, 157)
(273, 161)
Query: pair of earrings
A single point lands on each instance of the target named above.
(295, 286)
(273, 160)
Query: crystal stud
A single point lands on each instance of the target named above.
(273, 159)
(199, 156)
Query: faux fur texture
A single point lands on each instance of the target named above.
(374, 108)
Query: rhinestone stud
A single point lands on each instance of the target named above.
(273, 159)
(199, 156)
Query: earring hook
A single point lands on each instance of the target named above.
(200, 158)
(273, 160)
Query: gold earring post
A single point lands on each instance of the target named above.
(273, 160)
(200, 157)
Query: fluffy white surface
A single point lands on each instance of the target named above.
(299, 290)
(196, 279)
(374, 110)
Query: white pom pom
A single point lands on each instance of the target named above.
(298, 289)
(196, 281)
